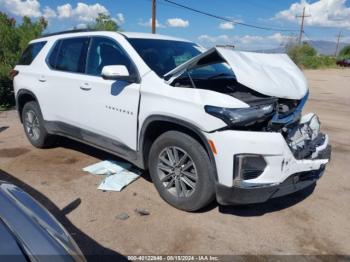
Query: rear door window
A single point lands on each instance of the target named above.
(70, 55)
(30, 53)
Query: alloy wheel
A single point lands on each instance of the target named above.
(177, 171)
(31, 123)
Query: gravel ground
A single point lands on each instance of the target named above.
(310, 222)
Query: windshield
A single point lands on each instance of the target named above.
(212, 71)
(163, 56)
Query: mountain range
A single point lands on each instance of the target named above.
(322, 47)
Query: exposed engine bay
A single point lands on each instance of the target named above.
(228, 85)
(301, 133)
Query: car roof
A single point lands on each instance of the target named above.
(152, 36)
(131, 35)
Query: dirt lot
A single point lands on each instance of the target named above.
(315, 222)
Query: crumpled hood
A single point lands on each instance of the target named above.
(269, 74)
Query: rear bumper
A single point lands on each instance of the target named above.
(240, 196)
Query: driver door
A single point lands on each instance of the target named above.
(111, 106)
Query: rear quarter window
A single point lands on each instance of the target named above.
(30, 53)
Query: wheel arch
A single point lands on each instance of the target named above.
(156, 125)
(24, 96)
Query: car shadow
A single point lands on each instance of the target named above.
(251, 210)
(92, 250)
(3, 128)
(97, 153)
(272, 205)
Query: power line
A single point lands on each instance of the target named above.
(229, 20)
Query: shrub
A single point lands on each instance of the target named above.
(7, 98)
(305, 56)
(13, 40)
(345, 52)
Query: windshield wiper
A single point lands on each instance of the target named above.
(219, 75)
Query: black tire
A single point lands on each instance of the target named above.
(188, 199)
(39, 138)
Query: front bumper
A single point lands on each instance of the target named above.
(283, 166)
(242, 196)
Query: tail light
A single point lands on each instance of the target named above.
(13, 73)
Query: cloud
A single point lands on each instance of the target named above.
(327, 13)
(148, 23)
(120, 19)
(65, 11)
(177, 22)
(226, 25)
(221, 39)
(81, 26)
(82, 12)
(49, 12)
(247, 42)
(29, 8)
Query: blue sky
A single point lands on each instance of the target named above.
(328, 17)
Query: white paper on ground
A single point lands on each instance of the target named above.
(118, 174)
(118, 181)
(107, 167)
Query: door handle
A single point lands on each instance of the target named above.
(85, 87)
(42, 79)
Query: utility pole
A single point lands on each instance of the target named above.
(302, 24)
(337, 47)
(153, 16)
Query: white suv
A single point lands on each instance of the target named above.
(205, 123)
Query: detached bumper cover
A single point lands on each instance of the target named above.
(240, 196)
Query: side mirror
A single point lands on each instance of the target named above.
(117, 72)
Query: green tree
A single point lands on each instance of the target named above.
(13, 40)
(299, 52)
(8, 45)
(345, 52)
(29, 30)
(104, 22)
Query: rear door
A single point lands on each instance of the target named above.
(64, 82)
(110, 107)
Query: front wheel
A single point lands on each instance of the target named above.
(181, 171)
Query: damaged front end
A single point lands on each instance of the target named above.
(271, 85)
(266, 148)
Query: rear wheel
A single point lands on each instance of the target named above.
(181, 171)
(34, 126)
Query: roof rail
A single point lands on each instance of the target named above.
(69, 31)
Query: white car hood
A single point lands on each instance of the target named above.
(269, 74)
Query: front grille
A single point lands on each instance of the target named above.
(309, 147)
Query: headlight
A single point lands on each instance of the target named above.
(241, 117)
